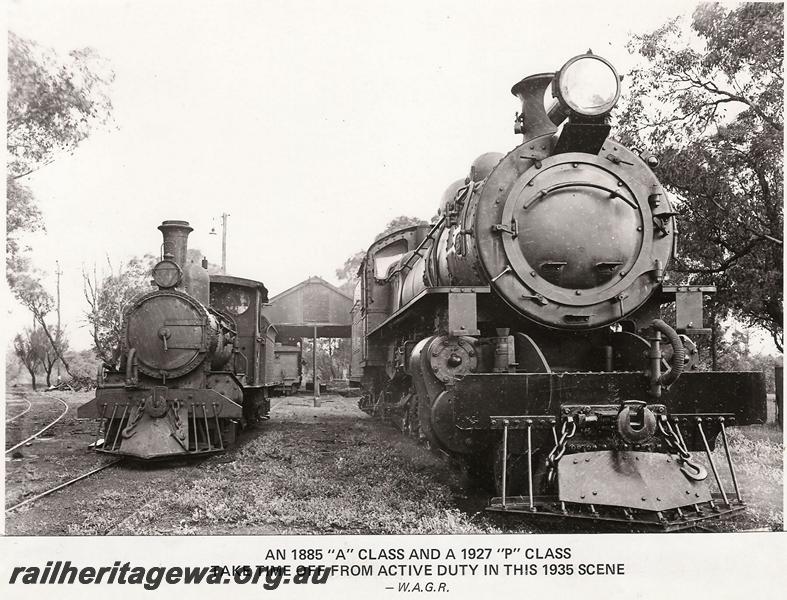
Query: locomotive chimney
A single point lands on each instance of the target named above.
(533, 121)
(176, 236)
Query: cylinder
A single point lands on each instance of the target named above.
(176, 236)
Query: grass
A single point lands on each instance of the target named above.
(282, 483)
(322, 470)
(758, 455)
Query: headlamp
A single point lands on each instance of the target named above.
(167, 274)
(587, 85)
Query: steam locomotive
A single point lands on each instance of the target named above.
(523, 331)
(198, 361)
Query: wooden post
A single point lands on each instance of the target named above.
(314, 367)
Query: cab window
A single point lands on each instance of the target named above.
(385, 257)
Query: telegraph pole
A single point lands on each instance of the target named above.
(224, 242)
(58, 272)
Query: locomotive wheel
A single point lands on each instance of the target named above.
(480, 471)
(516, 476)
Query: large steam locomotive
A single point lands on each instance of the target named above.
(198, 361)
(523, 332)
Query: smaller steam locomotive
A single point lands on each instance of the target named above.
(198, 361)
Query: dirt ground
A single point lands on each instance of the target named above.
(325, 469)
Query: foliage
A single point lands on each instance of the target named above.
(33, 296)
(348, 273)
(50, 353)
(400, 222)
(333, 358)
(22, 215)
(52, 102)
(108, 298)
(734, 354)
(13, 366)
(28, 349)
(709, 103)
(83, 363)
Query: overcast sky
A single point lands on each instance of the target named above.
(311, 123)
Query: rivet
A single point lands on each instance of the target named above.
(644, 499)
(697, 495)
(658, 499)
(578, 292)
(574, 165)
(582, 496)
(595, 493)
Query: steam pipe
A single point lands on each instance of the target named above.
(678, 354)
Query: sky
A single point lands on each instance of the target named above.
(312, 124)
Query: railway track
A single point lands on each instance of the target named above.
(24, 412)
(62, 485)
(43, 429)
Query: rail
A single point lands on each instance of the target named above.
(42, 430)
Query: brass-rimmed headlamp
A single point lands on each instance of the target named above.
(587, 85)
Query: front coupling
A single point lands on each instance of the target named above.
(636, 433)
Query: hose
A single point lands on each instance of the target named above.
(678, 353)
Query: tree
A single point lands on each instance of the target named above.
(348, 273)
(33, 296)
(399, 223)
(28, 349)
(108, 298)
(708, 102)
(50, 353)
(22, 215)
(13, 365)
(53, 104)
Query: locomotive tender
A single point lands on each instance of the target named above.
(522, 332)
(197, 362)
